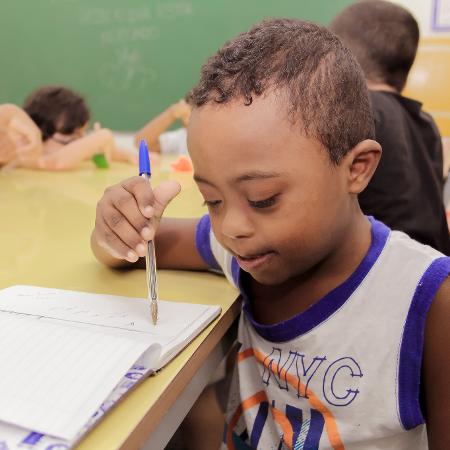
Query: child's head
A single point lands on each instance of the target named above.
(382, 36)
(56, 109)
(280, 138)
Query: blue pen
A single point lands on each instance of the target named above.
(150, 259)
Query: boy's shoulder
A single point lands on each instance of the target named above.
(392, 104)
(398, 118)
(400, 248)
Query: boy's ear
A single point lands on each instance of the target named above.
(361, 162)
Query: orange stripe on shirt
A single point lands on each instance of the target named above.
(247, 353)
(285, 425)
(248, 403)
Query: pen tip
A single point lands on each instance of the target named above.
(154, 308)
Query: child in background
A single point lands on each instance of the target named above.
(161, 141)
(20, 138)
(406, 191)
(344, 333)
(62, 117)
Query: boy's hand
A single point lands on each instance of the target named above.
(128, 215)
(107, 138)
(182, 111)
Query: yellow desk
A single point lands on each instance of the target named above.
(46, 220)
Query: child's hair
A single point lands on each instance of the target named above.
(318, 78)
(57, 109)
(382, 36)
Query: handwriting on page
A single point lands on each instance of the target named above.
(98, 309)
(107, 311)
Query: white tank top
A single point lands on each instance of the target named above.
(345, 373)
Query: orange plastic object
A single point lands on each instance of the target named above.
(182, 164)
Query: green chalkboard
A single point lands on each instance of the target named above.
(130, 58)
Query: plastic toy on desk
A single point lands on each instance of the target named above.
(100, 161)
(182, 164)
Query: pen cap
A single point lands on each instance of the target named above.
(144, 159)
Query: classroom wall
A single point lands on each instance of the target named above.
(132, 58)
(424, 11)
(428, 79)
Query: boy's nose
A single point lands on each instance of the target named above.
(236, 224)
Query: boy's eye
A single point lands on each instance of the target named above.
(263, 203)
(211, 203)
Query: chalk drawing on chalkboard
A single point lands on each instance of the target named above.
(127, 71)
(170, 10)
(98, 16)
(125, 35)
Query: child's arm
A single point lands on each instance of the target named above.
(127, 217)
(120, 154)
(436, 370)
(151, 131)
(71, 155)
(125, 155)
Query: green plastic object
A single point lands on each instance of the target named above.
(100, 161)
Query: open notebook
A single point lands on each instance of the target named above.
(67, 356)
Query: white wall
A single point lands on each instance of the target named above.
(422, 11)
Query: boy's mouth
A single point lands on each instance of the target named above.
(252, 262)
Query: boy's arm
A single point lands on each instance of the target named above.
(151, 131)
(125, 155)
(436, 370)
(128, 215)
(71, 155)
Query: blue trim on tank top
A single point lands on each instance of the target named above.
(411, 350)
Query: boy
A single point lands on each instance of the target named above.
(406, 192)
(62, 117)
(335, 304)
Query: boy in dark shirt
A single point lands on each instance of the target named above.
(406, 191)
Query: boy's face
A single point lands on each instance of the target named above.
(275, 200)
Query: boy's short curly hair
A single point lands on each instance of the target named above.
(322, 83)
(382, 36)
(57, 109)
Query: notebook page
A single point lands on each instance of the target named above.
(175, 314)
(17, 438)
(80, 307)
(101, 309)
(178, 324)
(176, 320)
(54, 377)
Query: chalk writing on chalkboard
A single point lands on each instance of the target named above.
(121, 35)
(127, 70)
(132, 15)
